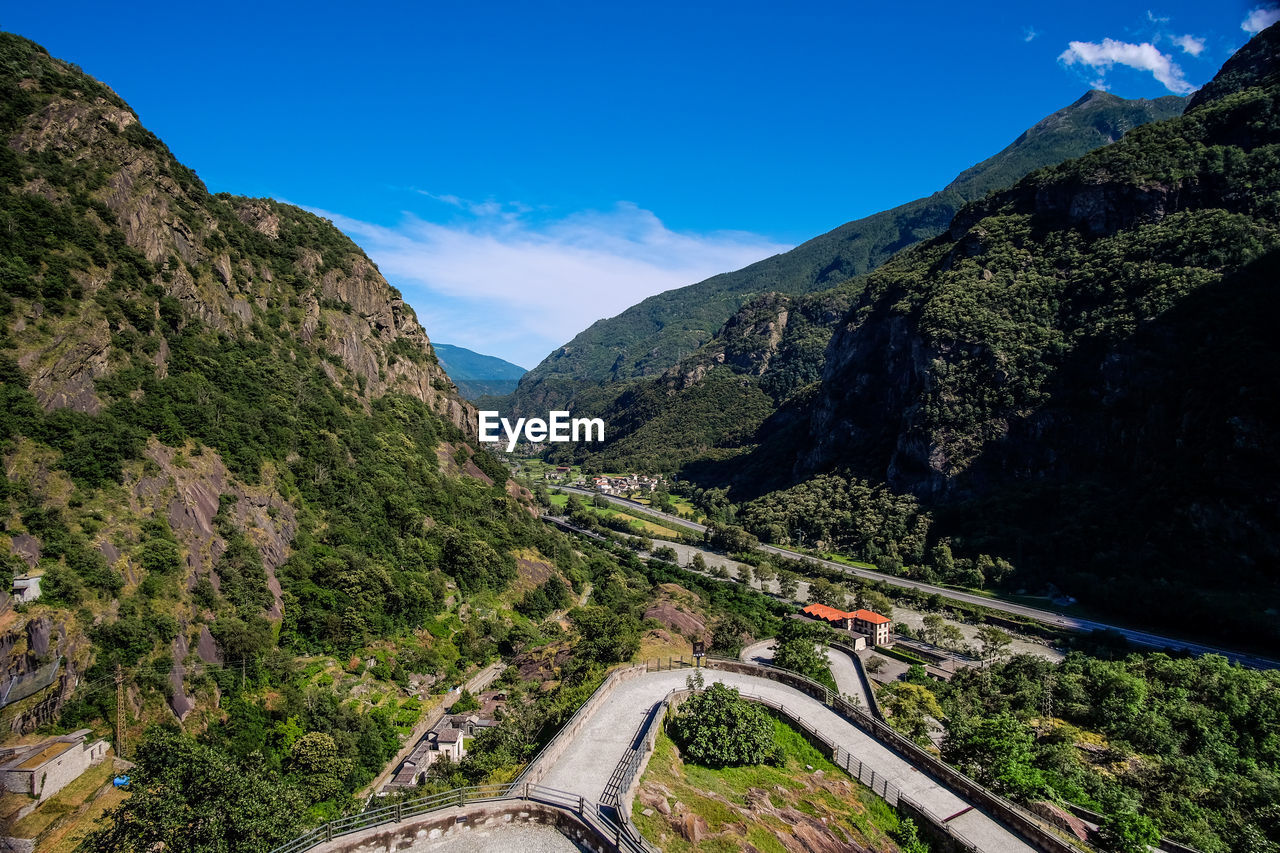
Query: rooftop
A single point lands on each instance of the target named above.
(822, 611)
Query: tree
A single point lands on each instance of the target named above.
(788, 584)
(191, 797)
(606, 637)
(995, 643)
(314, 761)
(998, 751)
(727, 634)
(465, 702)
(718, 728)
(874, 601)
(910, 707)
(801, 648)
(932, 628)
(1126, 831)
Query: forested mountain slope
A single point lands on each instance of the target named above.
(654, 335)
(226, 440)
(1080, 375)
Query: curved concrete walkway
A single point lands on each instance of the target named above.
(848, 681)
(590, 759)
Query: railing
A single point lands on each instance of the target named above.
(1042, 835)
(624, 838)
(586, 709)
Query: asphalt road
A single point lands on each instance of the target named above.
(1048, 617)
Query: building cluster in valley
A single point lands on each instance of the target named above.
(621, 485)
(625, 485)
(448, 738)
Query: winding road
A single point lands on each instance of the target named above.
(848, 681)
(1047, 617)
(594, 752)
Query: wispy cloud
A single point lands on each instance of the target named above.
(1144, 57)
(1189, 44)
(1029, 33)
(505, 285)
(1260, 18)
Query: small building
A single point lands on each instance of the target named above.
(41, 770)
(873, 625)
(448, 738)
(26, 588)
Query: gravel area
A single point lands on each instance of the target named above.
(527, 838)
(1020, 646)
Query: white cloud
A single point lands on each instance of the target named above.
(1260, 18)
(503, 285)
(1189, 44)
(1144, 57)
(1156, 19)
(1029, 33)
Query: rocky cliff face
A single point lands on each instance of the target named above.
(120, 273)
(203, 257)
(1081, 360)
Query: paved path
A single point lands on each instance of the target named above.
(1048, 617)
(527, 838)
(848, 682)
(585, 767)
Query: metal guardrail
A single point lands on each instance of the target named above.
(624, 838)
(1015, 818)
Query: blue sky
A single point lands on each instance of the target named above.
(520, 170)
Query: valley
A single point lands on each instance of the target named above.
(953, 528)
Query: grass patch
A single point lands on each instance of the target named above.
(67, 816)
(720, 797)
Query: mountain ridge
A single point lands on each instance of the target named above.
(478, 375)
(655, 334)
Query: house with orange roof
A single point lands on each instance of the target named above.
(866, 622)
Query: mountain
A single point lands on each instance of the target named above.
(1078, 376)
(478, 375)
(655, 334)
(225, 438)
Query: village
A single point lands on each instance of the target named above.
(615, 484)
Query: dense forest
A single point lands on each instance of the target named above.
(1082, 357)
(1187, 743)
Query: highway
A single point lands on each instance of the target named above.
(1047, 617)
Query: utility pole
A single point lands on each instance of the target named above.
(1046, 702)
(119, 712)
